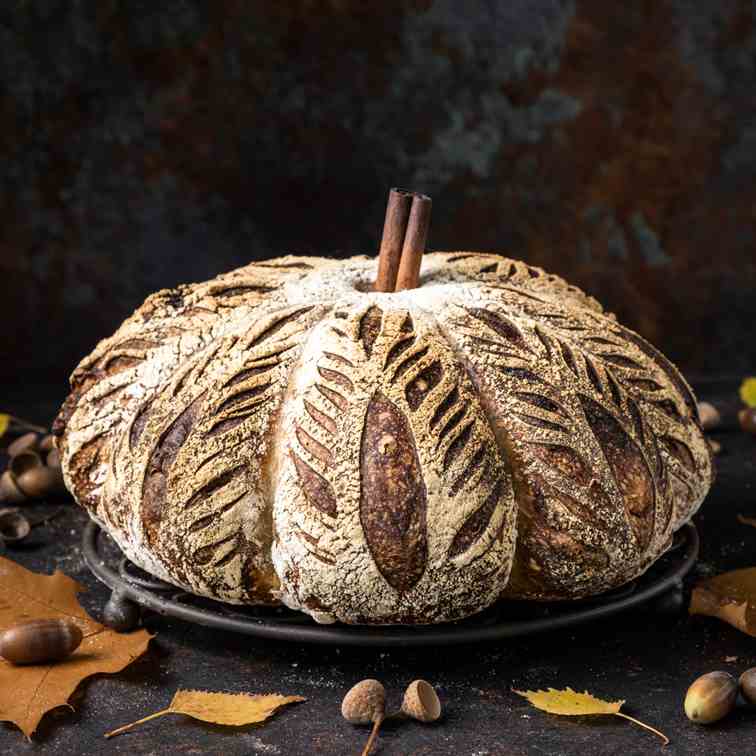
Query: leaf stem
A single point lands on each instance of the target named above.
(119, 730)
(664, 738)
(373, 735)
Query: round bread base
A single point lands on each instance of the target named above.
(660, 588)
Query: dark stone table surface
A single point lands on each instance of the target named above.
(643, 657)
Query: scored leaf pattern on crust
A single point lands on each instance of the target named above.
(587, 410)
(400, 385)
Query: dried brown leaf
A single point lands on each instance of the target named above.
(27, 692)
(570, 703)
(233, 709)
(731, 597)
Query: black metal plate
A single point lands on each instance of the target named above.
(506, 619)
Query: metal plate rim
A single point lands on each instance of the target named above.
(375, 636)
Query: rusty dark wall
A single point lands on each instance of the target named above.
(144, 144)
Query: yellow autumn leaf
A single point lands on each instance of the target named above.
(570, 703)
(4, 423)
(234, 709)
(748, 391)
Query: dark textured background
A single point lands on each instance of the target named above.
(143, 144)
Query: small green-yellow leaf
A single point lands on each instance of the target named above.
(748, 391)
(4, 423)
(569, 702)
(234, 709)
(228, 708)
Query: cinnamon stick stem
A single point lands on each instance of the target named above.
(413, 247)
(394, 227)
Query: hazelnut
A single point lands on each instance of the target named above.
(747, 419)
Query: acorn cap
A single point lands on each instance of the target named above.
(421, 702)
(364, 703)
(13, 525)
(24, 461)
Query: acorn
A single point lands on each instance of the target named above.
(421, 702)
(708, 415)
(9, 490)
(748, 686)
(13, 526)
(711, 697)
(40, 641)
(40, 481)
(747, 419)
(365, 703)
(22, 444)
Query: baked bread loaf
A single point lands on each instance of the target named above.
(282, 433)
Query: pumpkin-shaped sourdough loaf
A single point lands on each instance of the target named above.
(283, 433)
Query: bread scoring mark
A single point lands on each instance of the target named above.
(467, 474)
(475, 525)
(393, 496)
(539, 422)
(317, 490)
(542, 402)
(321, 418)
(334, 376)
(242, 290)
(621, 360)
(311, 544)
(669, 408)
(408, 362)
(628, 467)
(593, 376)
(334, 397)
(314, 447)
(241, 399)
(212, 487)
(403, 343)
(159, 464)
(210, 519)
(338, 358)
(444, 406)
(499, 324)
(680, 451)
(457, 446)
(277, 324)
(667, 367)
(422, 384)
(370, 327)
(637, 419)
(563, 459)
(569, 358)
(138, 423)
